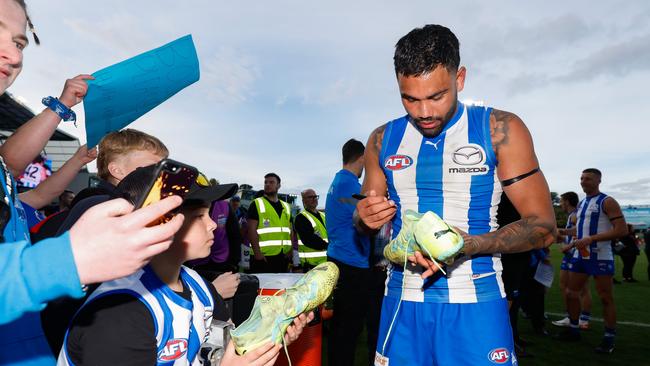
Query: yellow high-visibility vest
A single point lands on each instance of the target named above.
(274, 232)
(308, 255)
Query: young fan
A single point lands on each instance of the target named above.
(162, 313)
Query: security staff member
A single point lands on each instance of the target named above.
(269, 229)
(312, 235)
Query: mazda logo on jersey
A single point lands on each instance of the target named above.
(173, 350)
(468, 155)
(398, 162)
(468, 160)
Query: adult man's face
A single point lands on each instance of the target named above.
(589, 183)
(564, 205)
(13, 40)
(271, 186)
(234, 204)
(309, 200)
(431, 99)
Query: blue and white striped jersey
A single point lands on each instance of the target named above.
(181, 325)
(592, 220)
(453, 175)
(569, 238)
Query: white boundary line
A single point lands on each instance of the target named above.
(635, 324)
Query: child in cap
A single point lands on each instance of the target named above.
(162, 313)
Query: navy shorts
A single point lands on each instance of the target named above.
(566, 260)
(591, 266)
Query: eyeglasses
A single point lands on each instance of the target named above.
(312, 197)
(202, 180)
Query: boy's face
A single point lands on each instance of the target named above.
(196, 232)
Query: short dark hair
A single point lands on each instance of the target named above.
(423, 49)
(274, 176)
(352, 150)
(593, 171)
(571, 197)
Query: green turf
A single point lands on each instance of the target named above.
(632, 342)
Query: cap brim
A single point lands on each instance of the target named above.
(211, 193)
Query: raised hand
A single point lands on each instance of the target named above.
(75, 90)
(374, 211)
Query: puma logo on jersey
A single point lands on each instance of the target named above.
(434, 144)
(173, 350)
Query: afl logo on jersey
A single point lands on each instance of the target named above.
(398, 162)
(499, 356)
(173, 350)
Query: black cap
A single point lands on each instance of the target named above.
(210, 193)
(134, 185)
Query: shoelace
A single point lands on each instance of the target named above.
(401, 296)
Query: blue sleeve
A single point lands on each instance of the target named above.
(345, 194)
(32, 275)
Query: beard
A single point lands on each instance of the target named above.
(433, 132)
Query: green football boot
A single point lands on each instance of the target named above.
(404, 245)
(272, 315)
(436, 238)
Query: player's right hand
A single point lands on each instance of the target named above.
(374, 211)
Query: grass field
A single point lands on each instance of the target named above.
(632, 341)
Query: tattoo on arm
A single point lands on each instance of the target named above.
(499, 128)
(377, 137)
(520, 236)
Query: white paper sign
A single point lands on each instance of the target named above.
(544, 274)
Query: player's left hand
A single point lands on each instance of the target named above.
(427, 263)
(75, 90)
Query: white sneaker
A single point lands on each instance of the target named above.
(583, 324)
(562, 322)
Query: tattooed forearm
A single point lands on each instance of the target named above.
(526, 234)
(499, 128)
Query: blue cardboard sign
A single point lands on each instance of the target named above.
(123, 92)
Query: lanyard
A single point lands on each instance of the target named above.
(5, 210)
